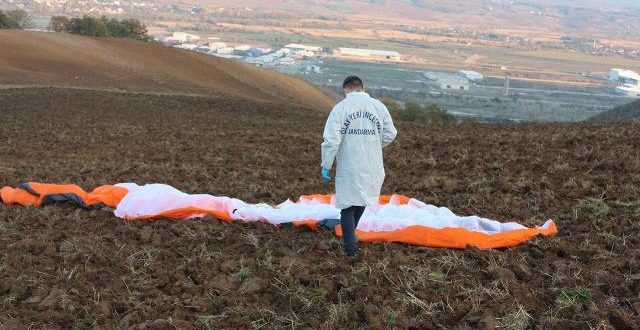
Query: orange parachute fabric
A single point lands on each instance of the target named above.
(457, 238)
(219, 212)
(37, 194)
(454, 238)
(395, 219)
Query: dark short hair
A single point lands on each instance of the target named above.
(352, 82)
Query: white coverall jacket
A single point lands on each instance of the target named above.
(356, 131)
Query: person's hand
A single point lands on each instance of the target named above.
(325, 175)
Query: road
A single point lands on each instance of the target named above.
(548, 91)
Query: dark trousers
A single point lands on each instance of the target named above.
(349, 218)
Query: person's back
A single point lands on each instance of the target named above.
(356, 131)
(360, 161)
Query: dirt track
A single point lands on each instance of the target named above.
(61, 267)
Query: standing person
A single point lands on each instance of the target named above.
(355, 133)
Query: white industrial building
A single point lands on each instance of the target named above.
(242, 48)
(625, 77)
(225, 50)
(230, 56)
(629, 82)
(282, 52)
(314, 69)
(629, 91)
(304, 48)
(259, 61)
(286, 61)
(450, 81)
(471, 75)
(186, 46)
(216, 45)
(183, 37)
(369, 53)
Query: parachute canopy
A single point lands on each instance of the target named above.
(395, 218)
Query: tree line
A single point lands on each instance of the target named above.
(100, 27)
(86, 25)
(14, 19)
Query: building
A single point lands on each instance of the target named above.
(262, 60)
(225, 50)
(253, 52)
(203, 49)
(230, 56)
(629, 91)
(625, 77)
(314, 69)
(282, 52)
(447, 81)
(369, 53)
(186, 46)
(286, 61)
(303, 48)
(471, 75)
(216, 45)
(242, 48)
(183, 37)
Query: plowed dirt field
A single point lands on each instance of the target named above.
(61, 267)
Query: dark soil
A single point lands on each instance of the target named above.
(61, 267)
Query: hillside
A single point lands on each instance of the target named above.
(601, 18)
(623, 112)
(610, 20)
(63, 60)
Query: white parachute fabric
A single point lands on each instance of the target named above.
(285, 212)
(155, 199)
(392, 217)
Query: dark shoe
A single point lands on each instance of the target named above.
(353, 257)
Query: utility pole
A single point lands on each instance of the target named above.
(506, 85)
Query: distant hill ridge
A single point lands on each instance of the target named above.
(623, 112)
(63, 60)
(587, 18)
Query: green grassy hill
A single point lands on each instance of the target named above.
(623, 112)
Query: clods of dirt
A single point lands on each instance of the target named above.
(61, 267)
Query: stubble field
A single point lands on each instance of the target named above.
(61, 267)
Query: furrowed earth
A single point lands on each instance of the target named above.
(61, 267)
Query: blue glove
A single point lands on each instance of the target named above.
(325, 175)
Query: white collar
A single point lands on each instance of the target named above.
(357, 93)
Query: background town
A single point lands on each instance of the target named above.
(509, 61)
